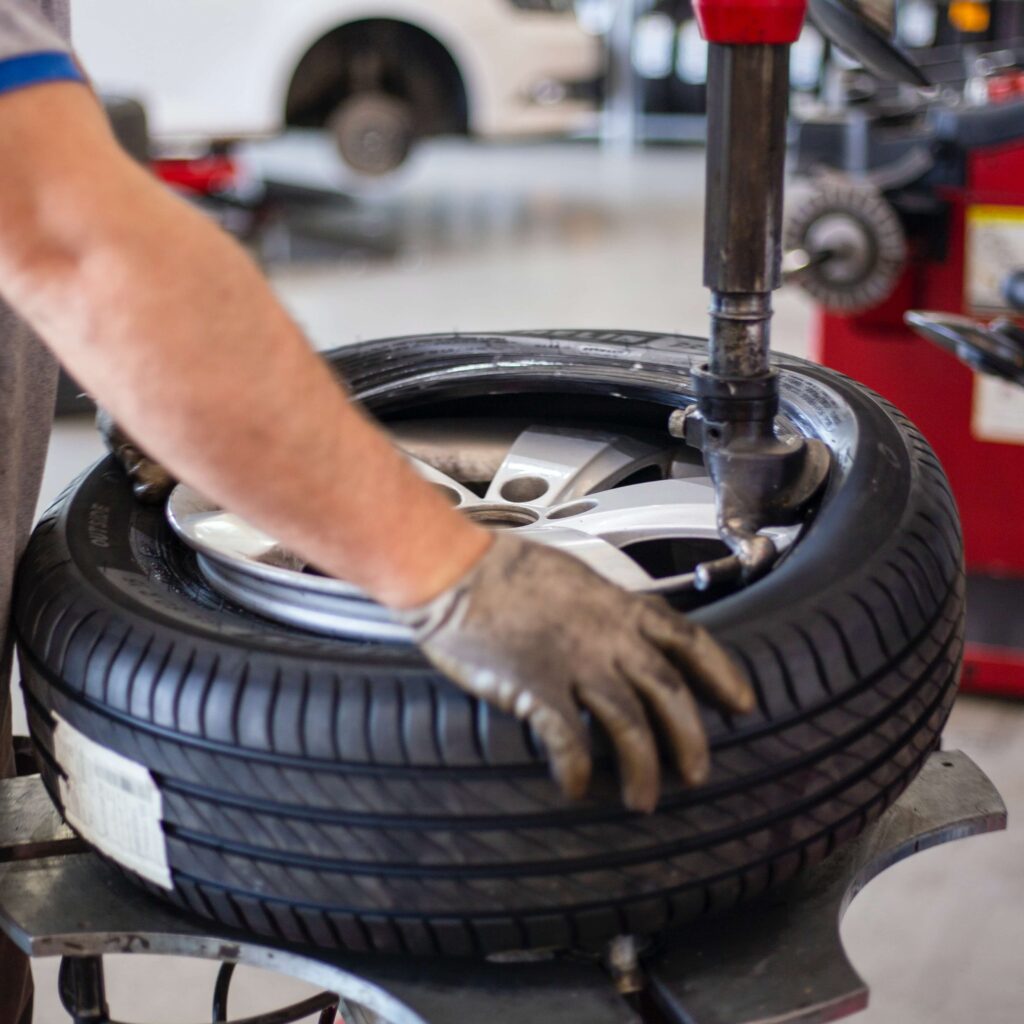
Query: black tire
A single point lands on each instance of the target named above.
(344, 794)
(374, 132)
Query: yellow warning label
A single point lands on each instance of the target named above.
(986, 214)
(995, 249)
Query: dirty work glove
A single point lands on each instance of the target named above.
(150, 481)
(538, 634)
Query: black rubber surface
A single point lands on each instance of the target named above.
(344, 794)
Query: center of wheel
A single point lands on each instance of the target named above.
(502, 517)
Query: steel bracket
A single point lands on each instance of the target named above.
(761, 478)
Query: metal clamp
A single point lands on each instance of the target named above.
(761, 478)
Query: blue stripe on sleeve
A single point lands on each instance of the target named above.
(36, 68)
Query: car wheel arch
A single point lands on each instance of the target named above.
(300, 103)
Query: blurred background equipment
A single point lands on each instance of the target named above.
(668, 58)
(846, 245)
(379, 76)
(917, 202)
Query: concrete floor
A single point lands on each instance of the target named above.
(563, 236)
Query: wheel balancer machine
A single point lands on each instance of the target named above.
(776, 959)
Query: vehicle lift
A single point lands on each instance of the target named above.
(775, 959)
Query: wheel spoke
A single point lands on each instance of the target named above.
(552, 465)
(658, 510)
(459, 495)
(604, 558)
(467, 449)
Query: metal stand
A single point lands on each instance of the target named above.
(619, 117)
(777, 959)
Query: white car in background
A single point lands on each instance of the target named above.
(378, 73)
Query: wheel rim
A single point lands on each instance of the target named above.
(636, 507)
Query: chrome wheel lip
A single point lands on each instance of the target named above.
(331, 613)
(568, 479)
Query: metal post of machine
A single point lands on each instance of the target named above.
(619, 118)
(748, 100)
(760, 479)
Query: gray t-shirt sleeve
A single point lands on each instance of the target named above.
(26, 29)
(33, 44)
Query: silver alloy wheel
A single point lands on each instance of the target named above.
(557, 485)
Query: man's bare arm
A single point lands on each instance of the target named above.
(174, 330)
(168, 323)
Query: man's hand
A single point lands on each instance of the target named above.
(540, 635)
(151, 483)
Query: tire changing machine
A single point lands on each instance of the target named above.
(776, 959)
(919, 205)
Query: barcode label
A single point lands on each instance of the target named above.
(113, 803)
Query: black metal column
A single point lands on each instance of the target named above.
(748, 101)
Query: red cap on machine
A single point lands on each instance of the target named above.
(750, 21)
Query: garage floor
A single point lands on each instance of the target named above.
(563, 236)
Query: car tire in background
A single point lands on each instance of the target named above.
(374, 132)
(343, 793)
(378, 86)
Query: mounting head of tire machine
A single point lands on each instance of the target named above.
(761, 478)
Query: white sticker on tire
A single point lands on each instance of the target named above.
(113, 803)
(998, 412)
